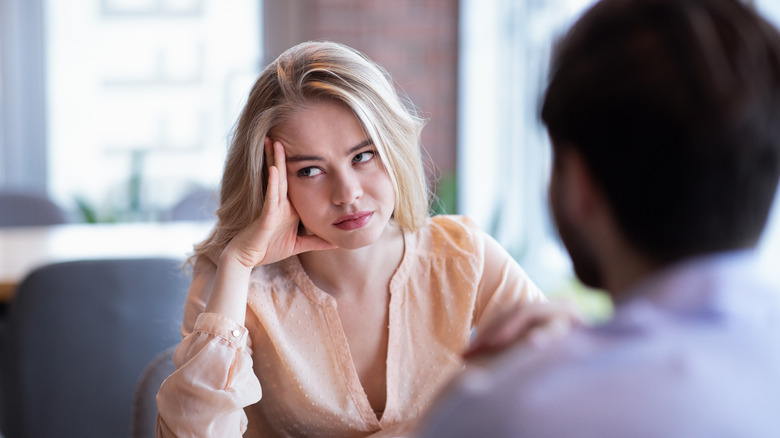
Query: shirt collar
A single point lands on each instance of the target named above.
(716, 284)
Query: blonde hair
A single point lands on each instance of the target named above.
(320, 71)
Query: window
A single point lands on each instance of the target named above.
(503, 152)
(141, 98)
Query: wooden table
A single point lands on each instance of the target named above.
(23, 249)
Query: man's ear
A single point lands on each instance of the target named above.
(582, 194)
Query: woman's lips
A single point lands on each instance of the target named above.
(354, 221)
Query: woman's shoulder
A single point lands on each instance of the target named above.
(453, 226)
(451, 232)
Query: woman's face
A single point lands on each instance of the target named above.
(336, 180)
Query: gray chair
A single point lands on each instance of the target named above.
(24, 209)
(145, 399)
(29, 209)
(80, 335)
(199, 205)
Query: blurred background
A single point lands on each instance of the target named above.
(118, 109)
(120, 113)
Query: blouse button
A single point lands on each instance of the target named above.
(236, 333)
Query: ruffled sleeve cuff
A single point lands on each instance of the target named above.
(220, 326)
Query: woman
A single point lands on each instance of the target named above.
(325, 288)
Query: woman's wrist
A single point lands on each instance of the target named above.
(231, 286)
(235, 257)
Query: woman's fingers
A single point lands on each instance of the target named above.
(272, 191)
(274, 235)
(311, 243)
(281, 165)
(276, 192)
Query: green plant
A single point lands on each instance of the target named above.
(446, 194)
(595, 305)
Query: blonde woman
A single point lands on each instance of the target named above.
(326, 301)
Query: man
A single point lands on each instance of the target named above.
(664, 116)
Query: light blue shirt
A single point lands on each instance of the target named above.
(693, 351)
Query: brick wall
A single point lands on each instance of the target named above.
(415, 40)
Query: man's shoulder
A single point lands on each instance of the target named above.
(603, 381)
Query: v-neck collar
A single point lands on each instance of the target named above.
(329, 306)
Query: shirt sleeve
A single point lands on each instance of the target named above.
(504, 285)
(214, 379)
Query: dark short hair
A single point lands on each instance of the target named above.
(675, 107)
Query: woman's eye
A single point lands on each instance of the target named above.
(308, 172)
(363, 157)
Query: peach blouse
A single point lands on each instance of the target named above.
(293, 344)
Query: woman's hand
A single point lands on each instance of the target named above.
(536, 323)
(274, 235)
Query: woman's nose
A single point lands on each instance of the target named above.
(346, 189)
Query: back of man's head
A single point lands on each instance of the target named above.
(675, 107)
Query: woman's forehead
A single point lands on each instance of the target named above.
(320, 127)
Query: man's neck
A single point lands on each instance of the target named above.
(623, 268)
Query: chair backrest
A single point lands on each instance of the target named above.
(145, 400)
(200, 205)
(80, 335)
(28, 209)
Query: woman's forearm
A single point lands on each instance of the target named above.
(231, 286)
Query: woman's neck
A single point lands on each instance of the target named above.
(340, 270)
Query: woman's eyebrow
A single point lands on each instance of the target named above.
(352, 150)
(361, 145)
(297, 158)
